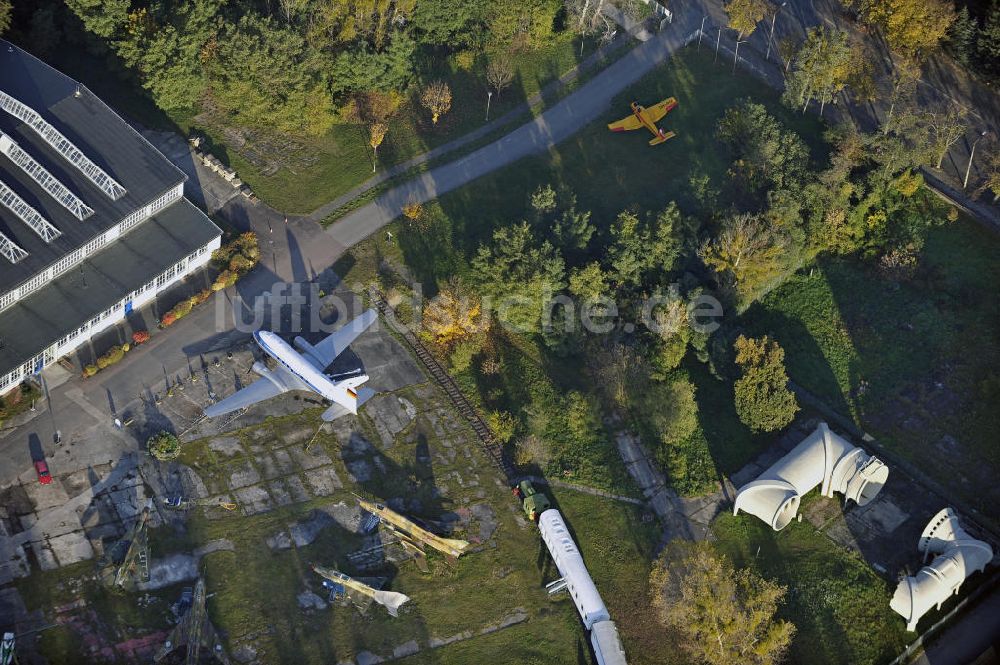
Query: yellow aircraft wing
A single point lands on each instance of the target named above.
(625, 124)
(657, 111)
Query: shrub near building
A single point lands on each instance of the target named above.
(235, 259)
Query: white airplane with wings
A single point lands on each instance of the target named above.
(304, 371)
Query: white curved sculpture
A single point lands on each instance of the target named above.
(823, 458)
(958, 556)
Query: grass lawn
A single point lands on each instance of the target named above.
(839, 606)
(343, 158)
(927, 351)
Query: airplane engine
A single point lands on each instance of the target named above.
(260, 368)
(302, 345)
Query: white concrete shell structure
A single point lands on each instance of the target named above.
(823, 459)
(958, 556)
(603, 632)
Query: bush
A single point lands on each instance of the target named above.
(18, 399)
(246, 240)
(532, 450)
(140, 337)
(115, 354)
(164, 446)
(168, 319)
(126, 348)
(220, 281)
(202, 296)
(182, 309)
(503, 424)
(240, 263)
(671, 410)
(90, 370)
(221, 256)
(463, 353)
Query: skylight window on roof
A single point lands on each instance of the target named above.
(62, 145)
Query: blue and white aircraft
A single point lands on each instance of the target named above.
(305, 371)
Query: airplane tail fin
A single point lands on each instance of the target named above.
(335, 411)
(663, 137)
(391, 600)
(364, 394)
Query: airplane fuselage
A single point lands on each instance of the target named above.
(294, 362)
(637, 111)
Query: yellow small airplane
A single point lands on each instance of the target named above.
(647, 117)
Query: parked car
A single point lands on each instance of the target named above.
(44, 477)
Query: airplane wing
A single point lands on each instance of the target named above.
(272, 384)
(177, 638)
(210, 640)
(322, 354)
(626, 124)
(181, 634)
(657, 111)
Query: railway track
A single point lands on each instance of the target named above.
(492, 447)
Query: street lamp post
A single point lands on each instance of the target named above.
(489, 96)
(736, 55)
(701, 31)
(972, 153)
(771, 37)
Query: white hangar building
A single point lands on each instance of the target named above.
(93, 219)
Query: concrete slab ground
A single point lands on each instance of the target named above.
(71, 548)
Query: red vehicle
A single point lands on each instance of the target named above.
(43, 472)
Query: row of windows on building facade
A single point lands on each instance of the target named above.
(73, 258)
(50, 354)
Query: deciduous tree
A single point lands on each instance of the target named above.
(376, 134)
(744, 15)
(944, 129)
(763, 401)
(436, 98)
(747, 251)
(721, 615)
(905, 75)
(6, 8)
(584, 18)
(823, 66)
(991, 168)
(913, 28)
(499, 73)
(453, 314)
(766, 155)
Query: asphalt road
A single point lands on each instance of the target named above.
(976, 631)
(561, 121)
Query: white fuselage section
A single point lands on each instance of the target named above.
(338, 392)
